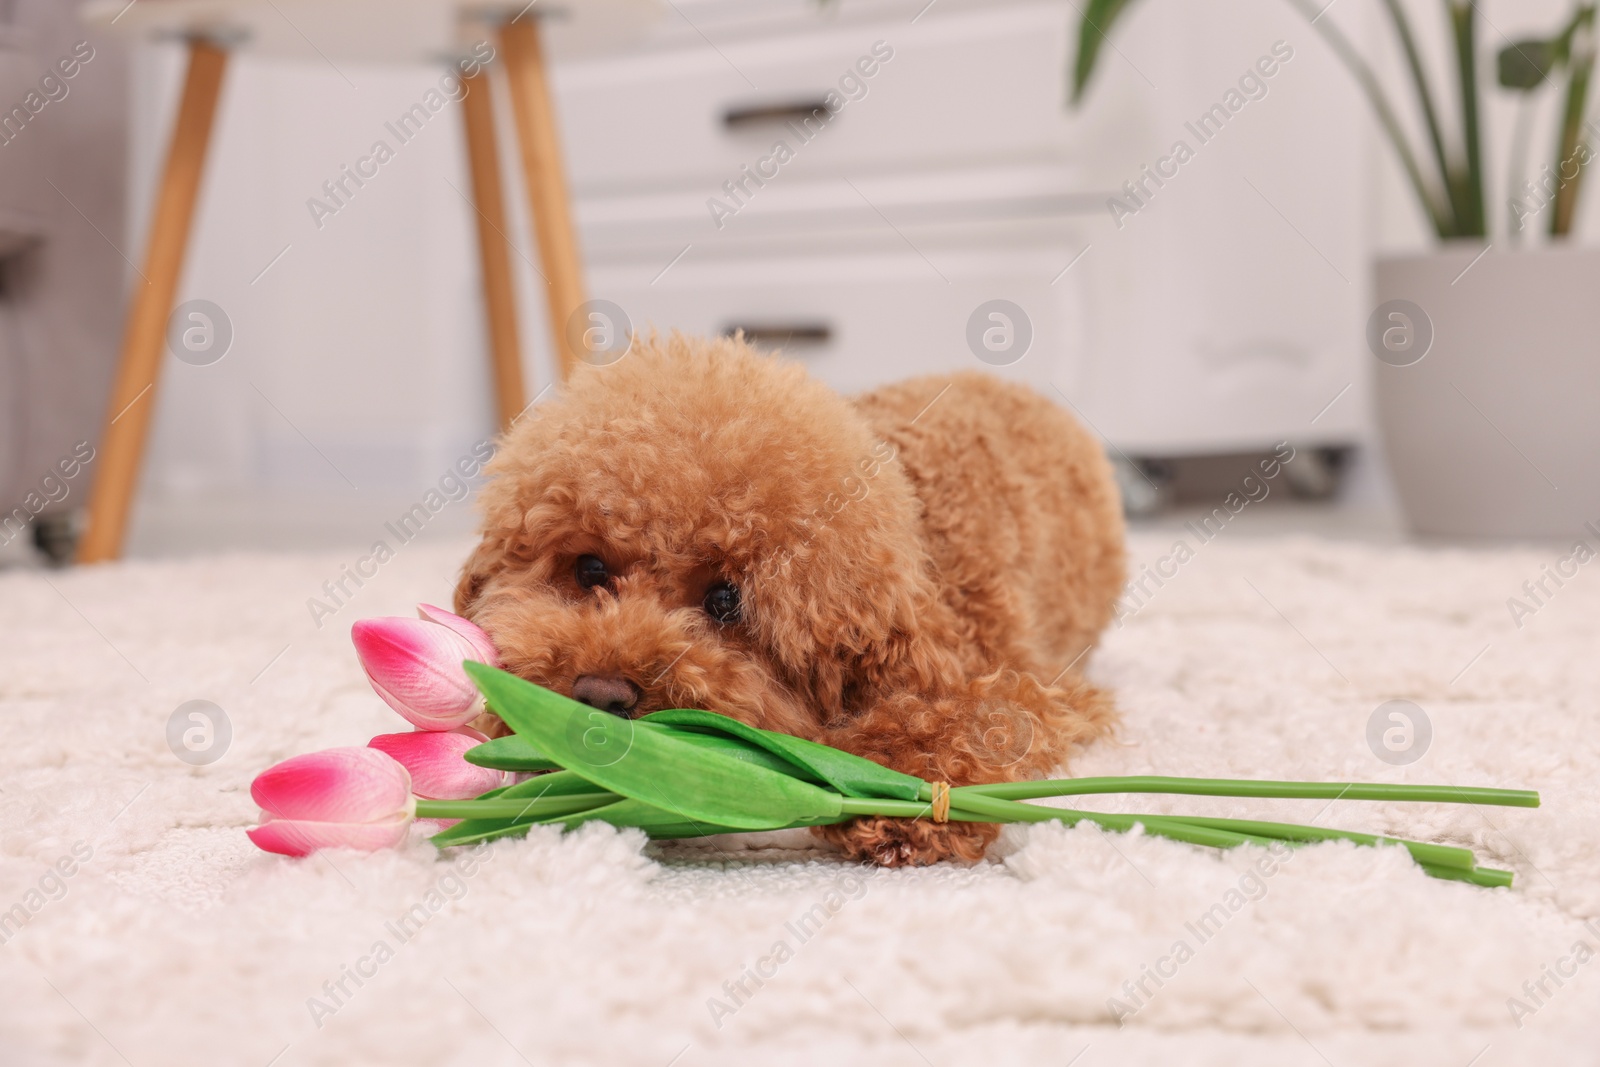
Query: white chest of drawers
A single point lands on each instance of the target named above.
(1223, 316)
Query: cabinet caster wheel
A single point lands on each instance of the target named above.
(56, 535)
(1315, 473)
(1145, 484)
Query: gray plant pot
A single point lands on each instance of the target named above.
(1494, 432)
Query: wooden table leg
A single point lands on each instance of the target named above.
(543, 175)
(144, 335)
(499, 298)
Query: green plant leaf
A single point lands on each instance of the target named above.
(1098, 18)
(849, 774)
(1471, 217)
(650, 762)
(510, 753)
(1582, 18)
(1525, 65)
(1578, 46)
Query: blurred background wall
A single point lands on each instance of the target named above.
(1221, 317)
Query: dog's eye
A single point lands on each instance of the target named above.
(722, 602)
(590, 571)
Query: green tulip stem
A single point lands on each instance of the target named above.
(513, 807)
(1484, 876)
(978, 808)
(995, 810)
(897, 809)
(1244, 787)
(1424, 852)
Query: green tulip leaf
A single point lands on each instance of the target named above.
(510, 753)
(653, 820)
(650, 762)
(739, 749)
(540, 787)
(849, 774)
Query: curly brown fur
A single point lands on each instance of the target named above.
(920, 570)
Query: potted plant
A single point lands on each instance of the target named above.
(1486, 388)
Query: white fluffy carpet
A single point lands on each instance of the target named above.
(177, 943)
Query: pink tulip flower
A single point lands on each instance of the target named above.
(415, 665)
(434, 758)
(339, 798)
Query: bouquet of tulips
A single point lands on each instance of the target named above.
(687, 773)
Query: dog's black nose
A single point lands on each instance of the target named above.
(608, 692)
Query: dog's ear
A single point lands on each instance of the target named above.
(919, 654)
(847, 600)
(486, 559)
(876, 628)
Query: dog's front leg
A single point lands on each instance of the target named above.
(997, 728)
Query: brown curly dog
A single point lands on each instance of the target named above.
(914, 575)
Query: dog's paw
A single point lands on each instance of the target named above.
(910, 842)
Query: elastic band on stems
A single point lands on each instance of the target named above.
(941, 801)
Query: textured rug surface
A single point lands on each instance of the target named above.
(140, 926)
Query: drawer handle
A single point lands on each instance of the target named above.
(736, 118)
(782, 335)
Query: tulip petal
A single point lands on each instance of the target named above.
(468, 629)
(294, 837)
(415, 666)
(438, 771)
(338, 785)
